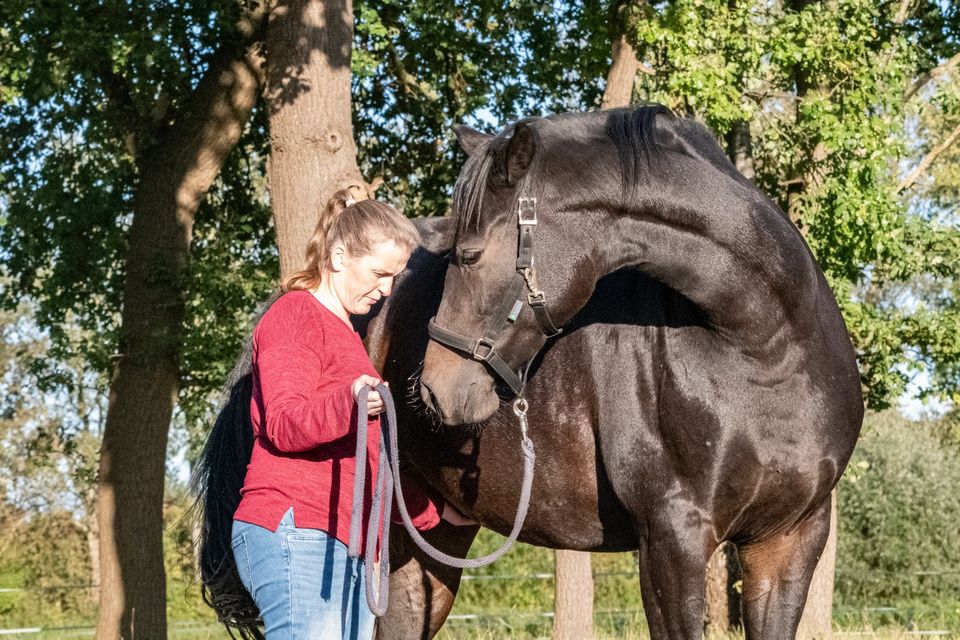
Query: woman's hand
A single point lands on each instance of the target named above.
(374, 401)
(452, 515)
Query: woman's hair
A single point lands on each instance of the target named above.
(359, 225)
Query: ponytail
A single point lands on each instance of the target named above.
(358, 224)
(318, 249)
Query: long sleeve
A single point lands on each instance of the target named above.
(424, 504)
(297, 416)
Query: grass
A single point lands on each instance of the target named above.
(500, 609)
(608, 627)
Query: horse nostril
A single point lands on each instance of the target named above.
(426, 394)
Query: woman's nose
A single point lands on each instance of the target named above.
(386, 287)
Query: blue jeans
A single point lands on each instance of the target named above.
(303, 582)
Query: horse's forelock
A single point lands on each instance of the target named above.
(468, 191)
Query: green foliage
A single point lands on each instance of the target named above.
(47, 551)
(820, 87)
(421, 66)
(87, 88)
(897, 534)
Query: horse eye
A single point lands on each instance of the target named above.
(468, 257)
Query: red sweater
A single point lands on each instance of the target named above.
(305, 360)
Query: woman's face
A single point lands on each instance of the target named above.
(361, 281)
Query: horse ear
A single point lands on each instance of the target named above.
(469, 138)
(520, 152)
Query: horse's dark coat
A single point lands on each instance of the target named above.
(710, 393)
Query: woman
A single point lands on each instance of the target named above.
(291, 529)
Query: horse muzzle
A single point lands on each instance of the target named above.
(459, 390)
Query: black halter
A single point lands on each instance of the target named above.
(484, 347)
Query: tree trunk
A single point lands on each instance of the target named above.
(740, 149)
(817, 620)
(174, 175)
(624, 62)
(622, 74)
(92, 530)
(723, 594)
(573, 601)
(311, 132)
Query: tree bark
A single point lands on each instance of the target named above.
(740, 149)
(624, 62)
(313, 153)
(723, 596)
(92, 533)
(174, 176)
(622, 74)
(573, 600)
(817, 620)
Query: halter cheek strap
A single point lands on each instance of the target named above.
(484, 348)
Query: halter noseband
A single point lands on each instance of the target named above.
(484, 347)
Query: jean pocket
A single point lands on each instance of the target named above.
(242, 559)
(307, 535)
(301, 534)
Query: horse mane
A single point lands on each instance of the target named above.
(634, 133)
(216, 483)
(632, 130)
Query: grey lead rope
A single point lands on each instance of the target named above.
(382, 506)
(384, 491)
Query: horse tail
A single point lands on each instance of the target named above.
(217, 480)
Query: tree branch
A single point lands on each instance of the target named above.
(760, 96)
(137, 128)
(212, 118)
(928, 160)
(936, 72)
(407, 80)
(901, 15)
(624, 62)
(120, 106)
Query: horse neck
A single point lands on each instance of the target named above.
(721, 243)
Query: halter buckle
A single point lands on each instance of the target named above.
(479, 345)
(527, 211)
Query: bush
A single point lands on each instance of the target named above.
(899, 509)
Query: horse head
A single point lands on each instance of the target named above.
(523, 261)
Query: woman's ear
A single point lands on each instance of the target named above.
(337, 256)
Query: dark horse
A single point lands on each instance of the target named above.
(704, 387)
(707, 391)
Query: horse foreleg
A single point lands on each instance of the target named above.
(776, 577)
(422, 590)
(673, 570)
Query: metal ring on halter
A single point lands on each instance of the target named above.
(520, 407)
